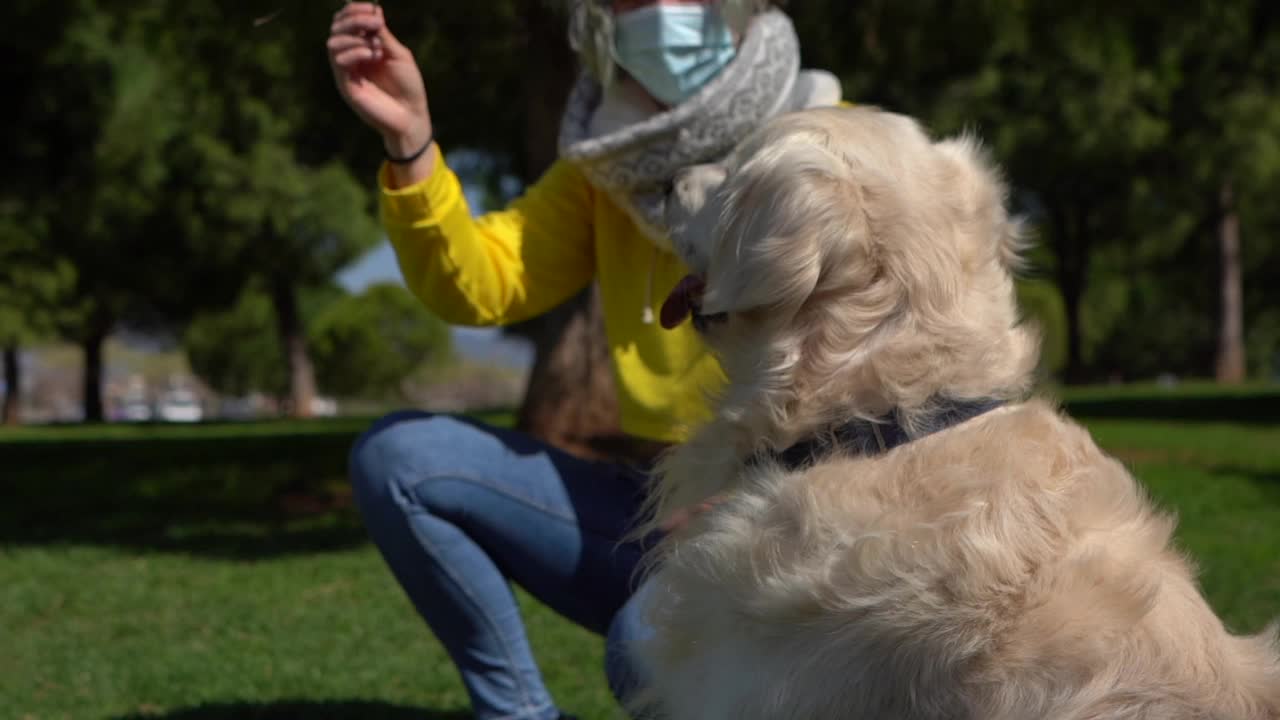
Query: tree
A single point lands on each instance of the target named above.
(499, 76)
(295, 226)
(1082, 110)
(570, 400)
(364, 345)
(93, 118)
(1227, 133)
(1175, 289)
(33, 302)
(270, 187)
(1075, 101)
(367, 345)
(237, 351)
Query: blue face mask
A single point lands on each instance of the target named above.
(673, 50)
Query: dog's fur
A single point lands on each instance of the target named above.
(1002, 569)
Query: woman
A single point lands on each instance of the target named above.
(459, 509)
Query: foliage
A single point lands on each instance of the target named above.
(1116, 125)
(108, 159)
(34, 286)
(237, 351)
(367, 345)
(1264, 344)
(163, 156)
(364, 345)
(1042, 304)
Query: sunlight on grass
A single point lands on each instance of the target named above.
(220, 571)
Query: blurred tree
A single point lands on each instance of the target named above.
(1080, 109)
(237, 351)
(294, 227)
(364, 345)
(1072, 97)
(267, 184)
(172, 153)
(96, 108)
(1227, 144)
(570, 399)
(479, 66)
(1042, 305)
(1172, 297)
(367, 345)
(34, 289)
(29, 276)
(498, 76)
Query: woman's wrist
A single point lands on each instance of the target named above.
(398, 145)
(411, 157)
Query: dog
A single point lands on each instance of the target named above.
(891, 528)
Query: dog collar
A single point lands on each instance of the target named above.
(872, 437)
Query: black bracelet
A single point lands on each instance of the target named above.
(410, 158)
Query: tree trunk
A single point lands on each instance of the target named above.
(293, 341)
(1230, 360)
(1072, 292)
(1072, 252)
(91, 345)
(12, 377)
(548, 75)
(570, 401)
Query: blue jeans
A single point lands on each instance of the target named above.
(459, 509)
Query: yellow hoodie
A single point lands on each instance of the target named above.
(517, 263)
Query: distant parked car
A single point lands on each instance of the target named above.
(135, 410)
(323, 407)
(180, 406)
(237, 408)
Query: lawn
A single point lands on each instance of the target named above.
(219, 571)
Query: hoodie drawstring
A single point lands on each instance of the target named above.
(647, 316)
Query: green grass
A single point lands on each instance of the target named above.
(220, 571)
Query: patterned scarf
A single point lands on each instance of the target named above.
(634, 164)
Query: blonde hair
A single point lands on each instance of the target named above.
(591, 29)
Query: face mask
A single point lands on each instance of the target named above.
(673, 50)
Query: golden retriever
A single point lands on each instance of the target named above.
(927, 554)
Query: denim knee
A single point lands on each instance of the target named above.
(628, 629)
(386, 446)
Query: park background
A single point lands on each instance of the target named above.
(188, 231)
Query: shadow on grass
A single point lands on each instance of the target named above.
(300, 709)
(271, 489)
(245, 497)
(229, 490)
(1259, 408)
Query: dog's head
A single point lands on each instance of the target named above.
(843, 241)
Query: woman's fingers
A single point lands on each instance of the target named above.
(351, 57)
(356, 8)
(339, 43)
(392, 44)
(357, 25)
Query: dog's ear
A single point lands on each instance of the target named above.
(784, 211)
(983, 196)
